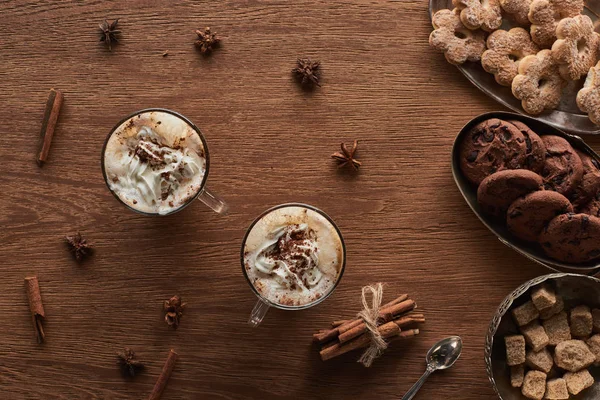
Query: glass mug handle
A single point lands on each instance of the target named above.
(213, 201)
(258, 313)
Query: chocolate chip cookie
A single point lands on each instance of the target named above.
(535, 153)
(496, 192)
(563, 170)
(590, 182)
(593, 207)
(573, 238)
(527, 216)
(491, 146)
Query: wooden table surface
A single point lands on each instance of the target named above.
(402, 217)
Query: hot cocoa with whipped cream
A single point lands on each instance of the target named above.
(155, 162)
(293, 256)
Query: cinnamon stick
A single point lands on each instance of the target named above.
(407, 321)
(387, 330)
(344, 326)
(53, 105)
(397, 300)
(38, 315)
(396, 306)
(406, 334)
(335, 324)
(163, 378)
(386, 314)
(326, 335)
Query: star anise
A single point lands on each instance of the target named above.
(307, 71)
(206, 41)
(109, 33)
(128, 364)
(174, 310)
(79, 246)
(346, 157)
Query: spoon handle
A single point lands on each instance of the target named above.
(413, 390)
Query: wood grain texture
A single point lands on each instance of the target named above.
(403, 219)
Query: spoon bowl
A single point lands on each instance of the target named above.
(444, 353)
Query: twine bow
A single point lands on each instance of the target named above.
(370, 314)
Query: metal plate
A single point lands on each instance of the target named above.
(532, 251)
(567, 116)
(575, 289)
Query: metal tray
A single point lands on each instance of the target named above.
(575, 289)
(567, 116)
(532, 251)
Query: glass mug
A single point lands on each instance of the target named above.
(262, 248)
(166, 123)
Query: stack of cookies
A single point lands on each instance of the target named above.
(550, 44)
(550, 357)
(545, 191)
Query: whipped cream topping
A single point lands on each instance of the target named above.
(293, 256)
(290, 257)
(152, 166)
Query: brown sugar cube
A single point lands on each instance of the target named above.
(556, 389)
(557, 328)
(573, 355)
(535, 335)
(555, 309)
(517, 373)
(515, 349)
(525, 313)
(578, 381)
(596, 320)
(581, 322)
(539, 360)
(594, 345)
(534, 385)
(543, 297)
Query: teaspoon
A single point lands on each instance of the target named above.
(442, 355)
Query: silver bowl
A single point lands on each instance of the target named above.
(575, 289)
(532, 251)
(567, 115)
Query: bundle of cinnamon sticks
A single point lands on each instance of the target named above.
(396, 320)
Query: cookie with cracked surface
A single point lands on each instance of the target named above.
(491, 146)
(458, 43)
(505, 51)
(536, 150)
(592, 207)
(563, 169)
(538, 83)
(572, 238)
(590, 182)
(527, 216)
(497, 192)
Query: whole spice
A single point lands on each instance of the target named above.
(53, 105)
(174, 310)
(389, 321)
(164, 376)
(128, 364)
(207, 40)
(38, 315)
(307, 72)
(346, 157)
(109, 33)
(79, 246)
